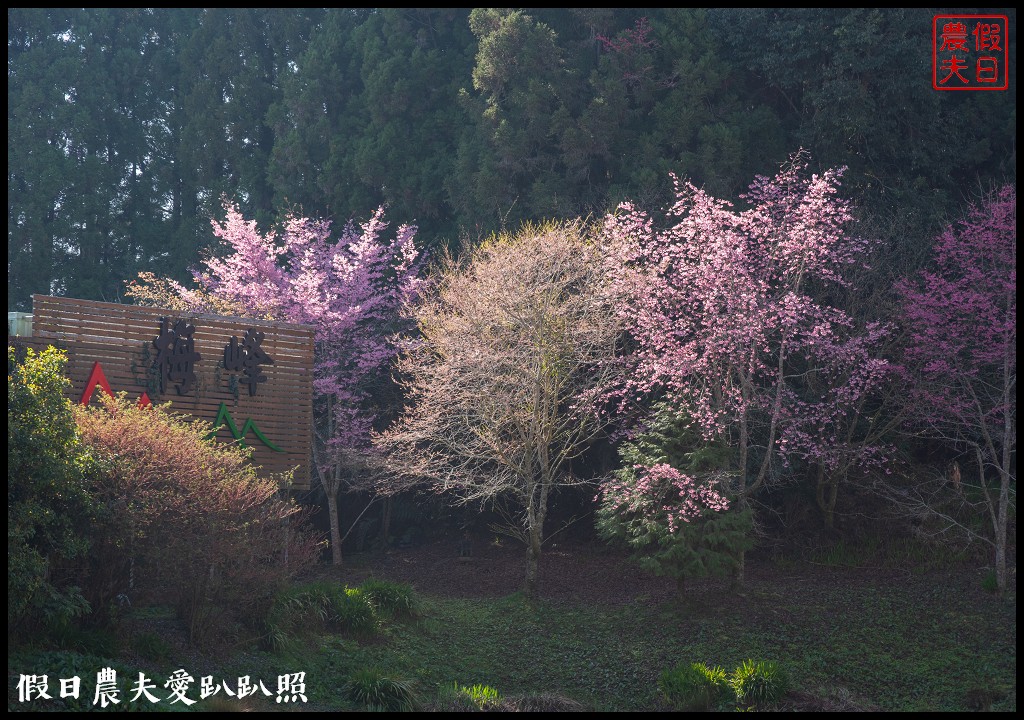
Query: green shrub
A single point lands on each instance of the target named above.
(374, 690)
(48, 505)
(693, 687)
(990, 583)
(758, 684)
(390, 599)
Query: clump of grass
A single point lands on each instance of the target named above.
(482, 696)
(372, 689)
(467, 698)
(353, 613)
(758, 684)
(450, 698)
(391, 599)
(303, 609)
(693, 687)
(540, 702)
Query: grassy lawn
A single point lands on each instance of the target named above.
(876, 646)
(847, 638)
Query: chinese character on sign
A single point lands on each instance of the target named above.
(176, 355)
(961, 65)
(247, 358)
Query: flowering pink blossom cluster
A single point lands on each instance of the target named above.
(661, 492)
(962, 319)
(350, 290)
(724, 306)
(961, 354)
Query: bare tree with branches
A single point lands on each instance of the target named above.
(518, 341)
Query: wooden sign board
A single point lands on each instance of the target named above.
(253, 379)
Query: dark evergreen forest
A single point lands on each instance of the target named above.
(126, 127)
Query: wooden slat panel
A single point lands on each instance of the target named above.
(120, 338)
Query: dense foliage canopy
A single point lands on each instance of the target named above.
(125, 127)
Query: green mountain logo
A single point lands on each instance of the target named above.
(224, 418)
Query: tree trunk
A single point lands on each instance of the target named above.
(536, 510)
(739, 575)
(1009, 437)
(332, 511)
(385, 524)
(741, 560)
(997, 510)
(826, 493)
(1001, 520)
(1001, 555)
(532, 563)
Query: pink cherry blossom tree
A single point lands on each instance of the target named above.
(349, 289)
(961, 355)
(723, 305)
